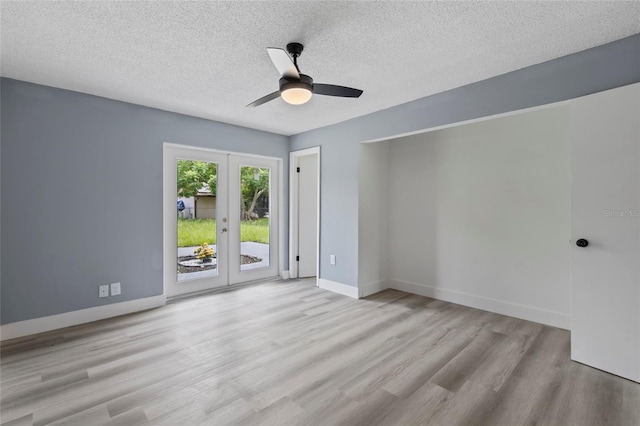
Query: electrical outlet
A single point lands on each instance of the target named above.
(115, 289)
(103, 291)
(332, 259)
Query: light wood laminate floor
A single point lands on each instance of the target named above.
(286, 352)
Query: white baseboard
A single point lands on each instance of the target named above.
(372, 288)
(529, 313)
(284, 275)
(335, 287)
(82, 316)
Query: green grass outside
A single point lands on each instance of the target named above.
(193, 232)
(255, 230)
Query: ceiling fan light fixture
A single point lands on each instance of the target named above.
(296, 91)
(296, 95)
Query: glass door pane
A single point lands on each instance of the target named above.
(254, 217)
(197, 185)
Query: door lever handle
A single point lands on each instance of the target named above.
(223, 230)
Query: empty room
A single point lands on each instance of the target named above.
(319, 213)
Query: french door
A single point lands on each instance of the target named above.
(220, 219)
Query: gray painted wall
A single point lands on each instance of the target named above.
(601, 68)
(81, 192)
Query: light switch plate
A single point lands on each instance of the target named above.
(332, 259)
(115, 289)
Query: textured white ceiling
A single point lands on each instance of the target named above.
(208, 59)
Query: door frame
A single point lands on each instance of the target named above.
(169, 218)
(294, 210)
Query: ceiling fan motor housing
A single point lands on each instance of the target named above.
(305, 82)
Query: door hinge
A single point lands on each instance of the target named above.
(298, 170)
(297, 258)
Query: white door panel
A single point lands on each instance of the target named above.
(175, 283)
(268, 253)
(605, 275)
(308, 215)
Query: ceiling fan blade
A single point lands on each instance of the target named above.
(333, 90)
(283, 62)
(264, 99)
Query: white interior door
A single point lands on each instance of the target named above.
(605, 275)
(307, 215)
(253, 218)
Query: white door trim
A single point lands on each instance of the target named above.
(293, 211)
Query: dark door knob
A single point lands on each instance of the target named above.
(582, 242)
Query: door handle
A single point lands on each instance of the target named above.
(223, 230)
(582, 242)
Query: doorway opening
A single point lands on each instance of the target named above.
(221, 218)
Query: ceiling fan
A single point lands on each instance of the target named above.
(297, 88)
